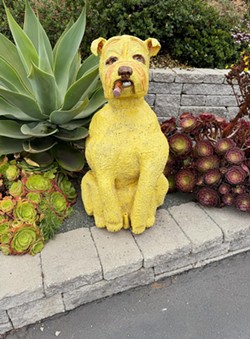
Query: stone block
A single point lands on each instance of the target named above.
(173, 273)
(5, 324)
(20, 280)
(103, 289)
(197, 226)
(234, 224)
(219, 100)
(189, 76)
(221, 111)
(193, 100)
(164, 88)
(207, 89)
(163, 242)
(213, 76)
(37, 310)
(232, 111)
(150, 98)
(118, 252)
(70, 261)
(166, 112)
(163, 75)
(240, 243)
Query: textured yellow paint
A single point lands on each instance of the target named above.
(125, 149)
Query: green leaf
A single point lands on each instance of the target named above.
(91, 61)
(61, 117)
(23, 102)
(10, 146)
(43, 159)
(11, 129)
(45, 89)
(25, 48)
(68, 157)
(95, 102)
(8, 51)
(81, 88)
(13, 112)
(36, 33)
(76, 63)
(69, 25)
(39, 145)
(74, 124)
(40, 129)
(76, 134)
(9, 73)
(66, 50)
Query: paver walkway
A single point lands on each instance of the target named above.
(87, 264)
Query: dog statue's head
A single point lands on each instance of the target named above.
(124, 65)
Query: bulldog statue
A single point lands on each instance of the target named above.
(125, 149)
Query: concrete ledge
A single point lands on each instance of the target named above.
(83, 265)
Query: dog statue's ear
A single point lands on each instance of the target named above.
(153, 46)
(97, 45)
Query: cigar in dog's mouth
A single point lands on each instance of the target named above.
(119, 85)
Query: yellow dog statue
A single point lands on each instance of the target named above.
(125, 149)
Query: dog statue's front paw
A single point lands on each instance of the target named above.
(114, 227)
(138, 230)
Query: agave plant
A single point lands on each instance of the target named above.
(46, 95)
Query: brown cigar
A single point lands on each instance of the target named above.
(117, 88)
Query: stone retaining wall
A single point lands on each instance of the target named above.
(174, 91)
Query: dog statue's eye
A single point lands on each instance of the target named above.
(111, 60)
(139, 57)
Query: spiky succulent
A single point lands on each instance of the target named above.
(46, 95)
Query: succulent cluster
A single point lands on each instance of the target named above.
(215, 168)
(33, 205)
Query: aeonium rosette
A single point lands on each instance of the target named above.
(38, 182)
(24, 239)
(25, 211)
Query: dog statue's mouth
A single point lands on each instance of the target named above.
(119, 85)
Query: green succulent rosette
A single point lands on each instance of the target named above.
(5, 238)
(34, 197)
(5, 248)
(58, 202)
(12, 172)
(23, 239)
(38, 182)
(4, 228)
(25, 211)
(67, 187)
(7, 204)
(16, 189)
(37, 247)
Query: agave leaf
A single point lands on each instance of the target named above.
(38, 129)
(74, 124)
(25, 103)
(61, 117)
(13, 112)
(69, 25)
(81, 88)
(39, 145)
(91, 61)
(68, 157)
(66, 50)
(7, 85)
(25, 47)
(9, 50)
(10, 146)
(95, 102)
(34, 30)
(9, 73)
(11, 129)
(76, 134)
(45, 89)
(76, 63)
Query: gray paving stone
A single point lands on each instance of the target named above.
(213, 76)
(198, 227)
(164, 88)
(103, 289)
(20, 280)
(193, 100)
(35, 311)
(219, 100)
(240, 243)
(163, 242)
(5, 324)
(118, 252)
(232, 111)
(164, 111)
(221, 111)
(150, 98)
(173, 273)
(189, 76)
(70, 261)
(234, 224)
(163, 75)
(207, 89)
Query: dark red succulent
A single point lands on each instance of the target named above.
(228, 199)
(212, 177)
(207, 196)
(223, 145)
(224, 188)
(205, 164)
(180, 144)
(242, 202)
(235, 175)
(203, 148)
(235, 156)
(185, 180)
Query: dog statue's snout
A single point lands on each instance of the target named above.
(125, 72)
